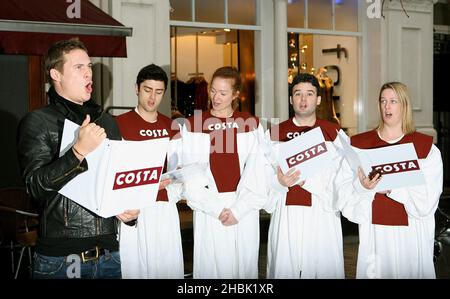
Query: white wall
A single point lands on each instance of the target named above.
(401, 49)
(410, 56)
(150, 43)
(348, 87)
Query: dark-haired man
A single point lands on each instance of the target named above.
(305, 238)
(153, 249)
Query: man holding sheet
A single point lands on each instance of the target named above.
(395, 208)
(152, 249)
(68, 231)
(305, 237)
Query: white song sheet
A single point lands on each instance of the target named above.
(308, 153)
(398, 163)
(121, 175)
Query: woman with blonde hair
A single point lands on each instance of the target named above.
(396, 227)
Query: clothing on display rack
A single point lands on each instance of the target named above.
(191, 95)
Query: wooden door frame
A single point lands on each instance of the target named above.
(37, 97)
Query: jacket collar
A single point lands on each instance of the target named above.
(72, 111)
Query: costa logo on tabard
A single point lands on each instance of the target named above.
(307, 154)
(139, 177)
(223, 126)
(397, 167)
(292, 135)
(154, 133)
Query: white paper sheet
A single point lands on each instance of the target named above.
(308, 153)
(182, 174)
(401, 167)
(121, 175)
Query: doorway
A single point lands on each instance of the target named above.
(196, 53)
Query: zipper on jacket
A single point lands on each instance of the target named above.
(97, 226)
(66, 211)
(78, 167)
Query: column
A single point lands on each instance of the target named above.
(150, 43)
(281, 67)
(264, 61)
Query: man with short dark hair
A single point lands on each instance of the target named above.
(305, 237)
(153, 249)
(68, 231)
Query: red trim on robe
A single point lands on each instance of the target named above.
(386, 211)
(224, 158)
(297, 195)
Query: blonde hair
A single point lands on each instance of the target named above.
(401, 90)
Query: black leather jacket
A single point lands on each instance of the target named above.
(44, 172)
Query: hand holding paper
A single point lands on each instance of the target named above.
(122, 175)
(89, 138)
(191, 171)
(398, 165)
(366, 181)
(289, 178)
(307, 153)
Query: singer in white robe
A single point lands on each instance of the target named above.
(396, 227)
(225, 198)
(305, 236)
(230, 146)
(396, 231)
(153, 248)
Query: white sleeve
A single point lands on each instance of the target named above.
(200, 198)
(251, 193)
(195, 190)
(422, 201)
(174, 190)
(352, 198)
(321, 184)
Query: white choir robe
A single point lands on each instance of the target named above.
(153, 248)
(395, 251)
(144, 253)
(306, 241)
(224, 252)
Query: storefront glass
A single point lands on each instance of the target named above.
(296, 13)
(211, 11)
(242, 12)
(346, 15)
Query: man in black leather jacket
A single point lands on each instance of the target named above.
(73, 241)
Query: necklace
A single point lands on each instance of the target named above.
(229, 115)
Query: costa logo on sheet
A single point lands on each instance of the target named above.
(397, 167)
(307, 154)
(139, 177)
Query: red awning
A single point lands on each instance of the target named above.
(29, 27)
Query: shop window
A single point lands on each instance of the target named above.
(317, 54)
(442, 13)
(242, 12)
(180, 10)
(211, 11)
(319, 14)
(346, 15)
(296, 13)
